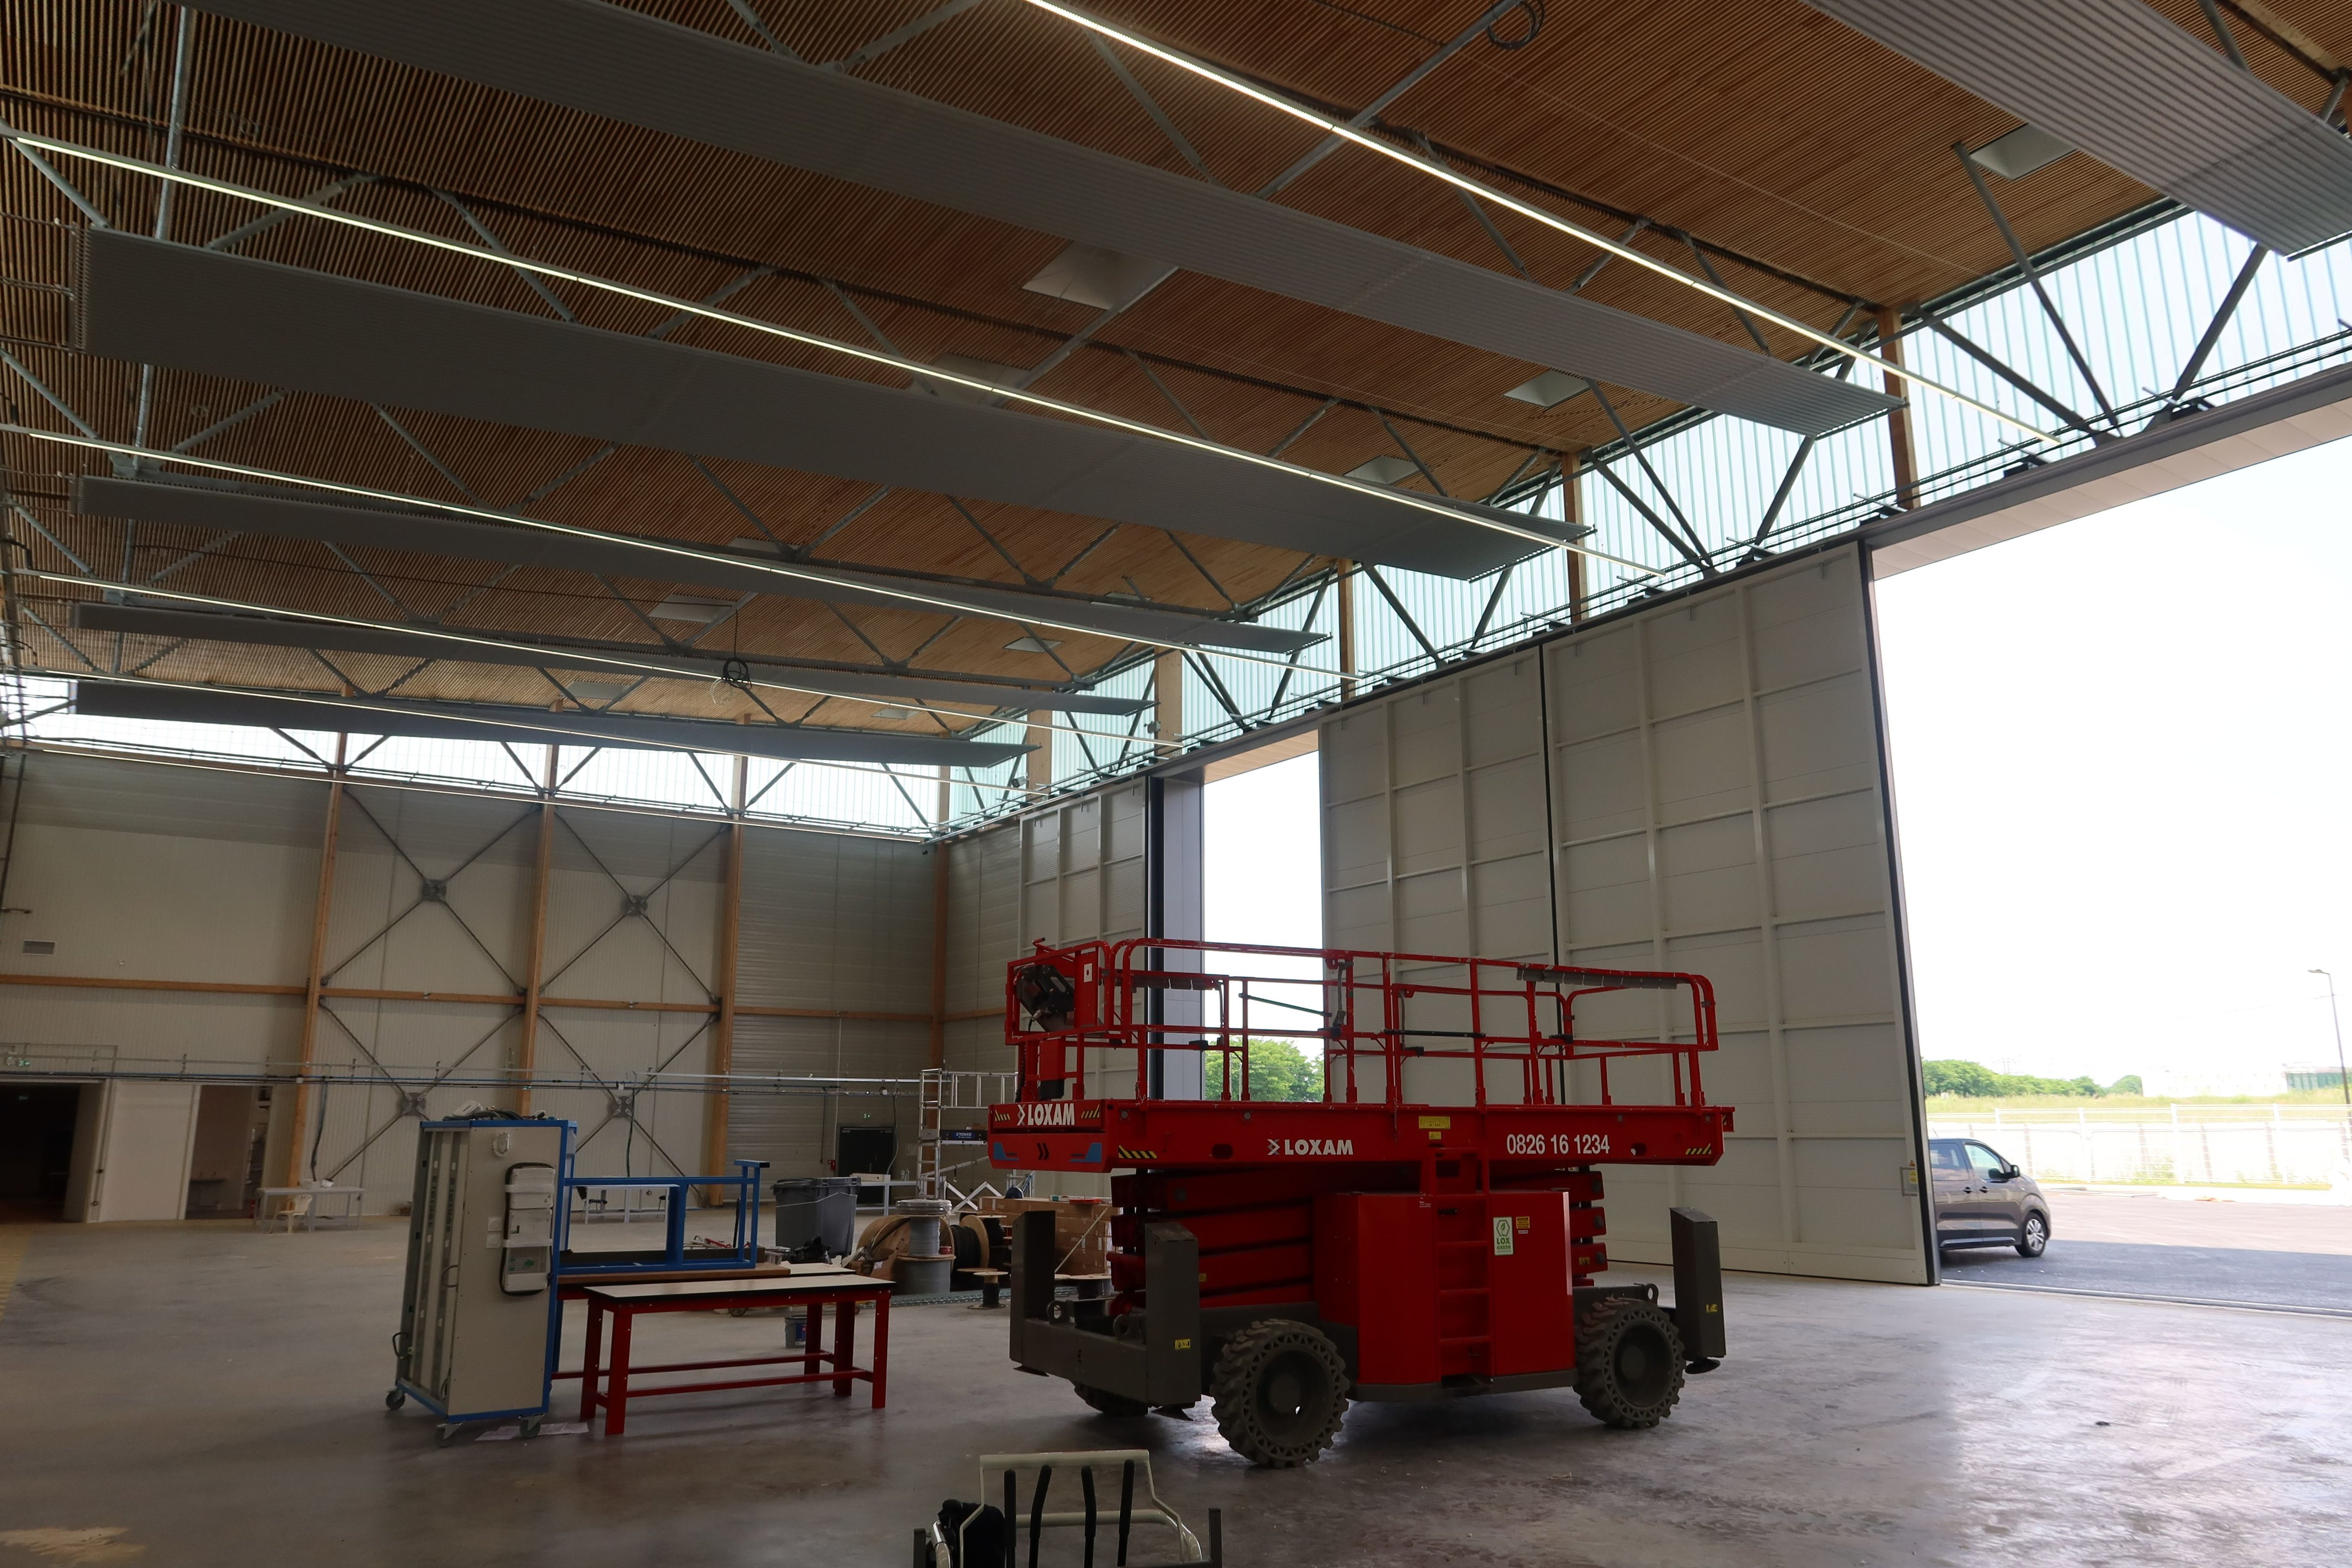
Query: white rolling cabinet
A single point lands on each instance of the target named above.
(477, 1315)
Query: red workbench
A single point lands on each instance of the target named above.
(608, 1386)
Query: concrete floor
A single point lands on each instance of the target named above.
(215, 1396)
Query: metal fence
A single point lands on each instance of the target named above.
(2284, 1145)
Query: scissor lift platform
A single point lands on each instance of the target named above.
(1430, 1226)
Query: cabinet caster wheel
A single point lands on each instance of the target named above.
(445, 1434)
(394, 1400)
(530, 1425)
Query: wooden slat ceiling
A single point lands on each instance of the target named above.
(1766, 131)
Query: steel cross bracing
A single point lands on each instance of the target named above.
(621, 1093)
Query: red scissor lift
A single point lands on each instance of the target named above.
(1429, 1226)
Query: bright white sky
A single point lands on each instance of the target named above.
(2123, 778)
(2121, 760)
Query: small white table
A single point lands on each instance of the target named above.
(335, 1205)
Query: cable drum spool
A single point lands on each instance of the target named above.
(927, 1267)
(924, 1218)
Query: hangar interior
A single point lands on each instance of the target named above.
(623, 563)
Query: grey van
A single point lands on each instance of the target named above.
(1984, 1200)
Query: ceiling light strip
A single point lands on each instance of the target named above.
(933, 601)
(913, 368)
(1483, 192)
(562, 658)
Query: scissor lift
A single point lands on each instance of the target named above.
(1429, 1226)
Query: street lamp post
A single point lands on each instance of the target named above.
(2343, 1079)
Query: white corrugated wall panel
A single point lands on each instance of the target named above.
(837, 924)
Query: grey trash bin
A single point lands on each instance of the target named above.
(817, 1209)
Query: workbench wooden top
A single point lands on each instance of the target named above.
(806, 1281)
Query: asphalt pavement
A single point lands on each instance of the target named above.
(2307, 1281)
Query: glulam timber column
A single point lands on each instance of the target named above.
(1346, 571)
(722, 1027)
(1900, 441)
(1038, 767)
(1168, 700)
(535, 965)
(937, 1056)
(289, 1166)
(1571, 510)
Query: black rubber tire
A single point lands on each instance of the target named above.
(530, 1425)
(1281, 1391)
(2033, 1236)
(394, 1400)
(1111, 1404)
(1629, 1363)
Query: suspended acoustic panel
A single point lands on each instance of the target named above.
(2122, 83)
(605, 60)
(296, 515)
(153, 302)
(406, 642)
(525, 726)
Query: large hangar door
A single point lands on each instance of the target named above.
(1721, 803)
(1718, 802)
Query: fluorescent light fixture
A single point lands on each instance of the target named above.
(969, 370)
(894, 713)
(1101, 279)
(913, 593)
(1384, 471)
(689, 608)
(1430, 166)
(894, 360)
(749, 546)
(1031, 645)
(2019, 153)
(1550, 389)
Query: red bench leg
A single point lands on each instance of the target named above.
(616, 1394)
(845, 1345)
(588, 1359)
(881, 1379)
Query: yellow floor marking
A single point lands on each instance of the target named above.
(95, 1544)
(14, 1240)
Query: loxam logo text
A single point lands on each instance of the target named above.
(1274, 1146)
(1049, 1113)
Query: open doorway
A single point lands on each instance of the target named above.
(36, 1144)
(1262, 884)
(2119, 757)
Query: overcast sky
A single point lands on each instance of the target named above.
(2121, 754)
(2120, 766)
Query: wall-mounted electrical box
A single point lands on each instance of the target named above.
(530, 1242)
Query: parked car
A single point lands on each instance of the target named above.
(1984, 1200)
